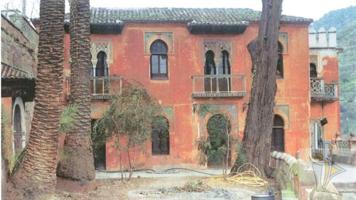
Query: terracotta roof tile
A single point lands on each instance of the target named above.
(172, 15)
(8, 72)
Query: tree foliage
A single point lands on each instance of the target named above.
(129, 116)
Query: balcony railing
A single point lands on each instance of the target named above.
(101, 87)
(206, 86)
(321, 91)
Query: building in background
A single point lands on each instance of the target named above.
(19, 41)
(195, 62)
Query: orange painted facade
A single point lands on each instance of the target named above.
(186, 57)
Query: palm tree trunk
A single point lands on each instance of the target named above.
(78, 161)
(37, 173)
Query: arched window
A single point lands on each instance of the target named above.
(277, 134)
(313, 71)
(159, 60)
(18, 132)
(280, 61)
(160, 136)
(210, 67)
(101, 68)
(226, 69)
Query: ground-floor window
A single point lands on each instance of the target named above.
(317, 136)
(277, 134)
(160, 136)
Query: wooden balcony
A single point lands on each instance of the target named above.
(321, 91)
(101, 88)
(217, 86)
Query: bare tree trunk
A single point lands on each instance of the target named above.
(36, 176)
(259, 120)
(78, 162)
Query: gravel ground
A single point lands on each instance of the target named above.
(151, 186)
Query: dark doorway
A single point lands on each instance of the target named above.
(277, 134)
(99, 147)
(218, 127)
(160, 136)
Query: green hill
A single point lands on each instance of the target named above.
(344, 20)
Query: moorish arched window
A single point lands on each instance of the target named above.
(101, 68)
(280, 61)
(278, 134)
(159, 60)
(160, 136)
(226, 68)
(210, 67)
(313, 71)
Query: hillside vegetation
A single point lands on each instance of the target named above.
(344, 20)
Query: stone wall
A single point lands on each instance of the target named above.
(17, 50)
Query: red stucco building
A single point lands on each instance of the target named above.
(195, 62)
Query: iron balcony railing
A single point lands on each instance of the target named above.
(101, 87)
(321, 91)
(206, 86)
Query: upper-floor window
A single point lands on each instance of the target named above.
(280, 61)
(210, 67)
(313, 71)
(101, 68)
(226, 69)
(159, 60)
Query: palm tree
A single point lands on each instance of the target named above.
(37, 173)
(78, 161)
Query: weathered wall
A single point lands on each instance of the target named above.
(19, 62)
(329, 109)
(186, 58)
(16, 49)
(7, 151)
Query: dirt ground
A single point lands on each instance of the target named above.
(148, 188)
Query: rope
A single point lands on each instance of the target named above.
(247, 174)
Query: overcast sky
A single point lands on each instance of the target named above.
(304, 8)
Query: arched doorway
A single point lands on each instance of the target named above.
(218, 127)
(278, 134)
(160, 136)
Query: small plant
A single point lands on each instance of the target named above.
(193, 186)
(129, 116)
(66, 121)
